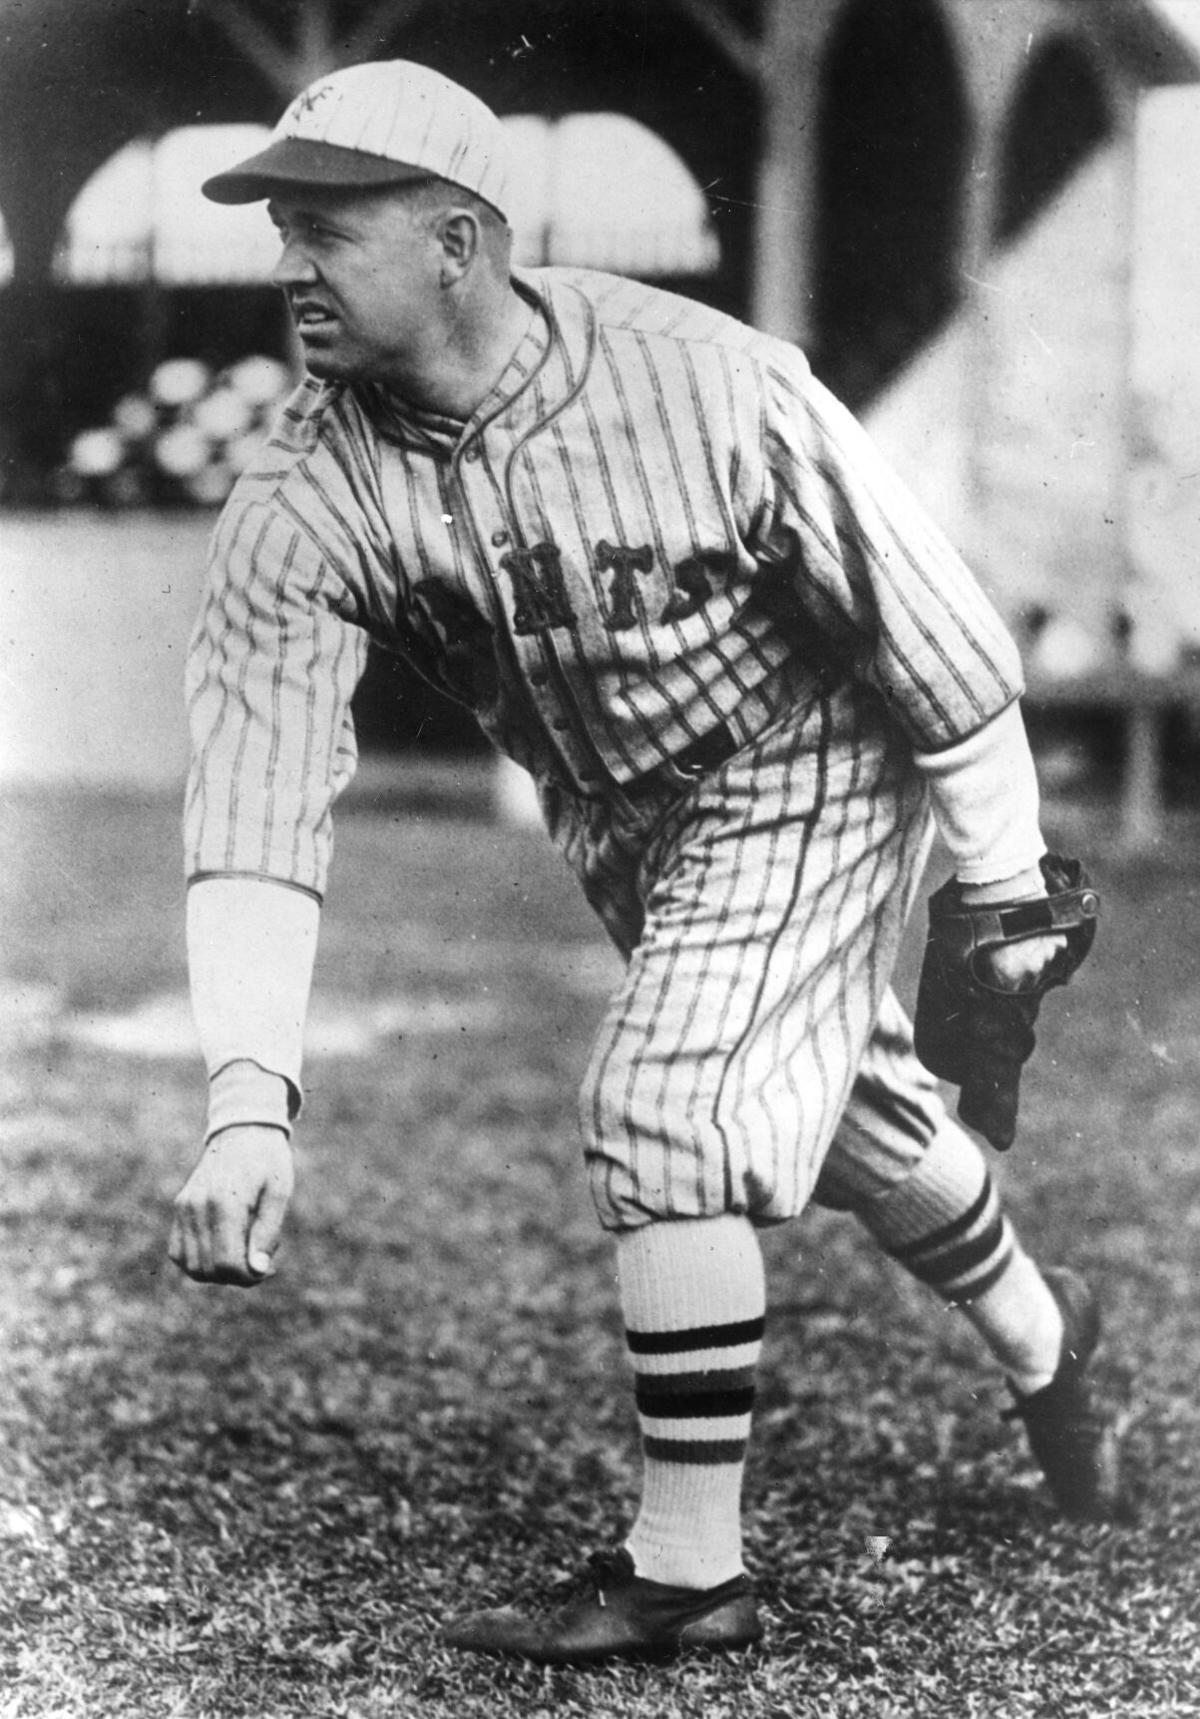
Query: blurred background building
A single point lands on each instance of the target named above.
(977, 216)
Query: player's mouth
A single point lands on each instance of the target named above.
(311, 317)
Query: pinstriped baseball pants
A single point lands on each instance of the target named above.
(754, 1055)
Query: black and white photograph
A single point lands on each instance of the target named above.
(599, 859)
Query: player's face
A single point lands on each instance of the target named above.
(360, 273)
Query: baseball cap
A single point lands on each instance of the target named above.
(384, 122)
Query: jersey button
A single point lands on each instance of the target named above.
(500, 537)
(472, 453)
(562, 723)
(539, 677)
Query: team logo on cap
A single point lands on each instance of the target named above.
(307, 104)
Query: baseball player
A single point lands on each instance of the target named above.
(672, 578)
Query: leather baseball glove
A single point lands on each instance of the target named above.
(973, 1034)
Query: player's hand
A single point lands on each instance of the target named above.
(1014, 966)
(229, 1214)
(1019, 966)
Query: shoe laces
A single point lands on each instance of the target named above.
(601, 1570)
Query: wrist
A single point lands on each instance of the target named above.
(242, 1094)
(1024, 885)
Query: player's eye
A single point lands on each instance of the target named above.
(304, 227)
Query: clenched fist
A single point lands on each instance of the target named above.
(1020, 966)
(1017, 966)
(229, 1214)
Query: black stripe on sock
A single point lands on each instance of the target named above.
(696, 1337)
(945, 1267)
(694, 1404)
(968, 1291)
(683, 1384)
(948, 1233)
(703, 1453)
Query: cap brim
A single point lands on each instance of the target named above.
(292, 163)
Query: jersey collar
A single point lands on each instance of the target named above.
(555, 351)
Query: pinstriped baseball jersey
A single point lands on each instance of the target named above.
(656, 524)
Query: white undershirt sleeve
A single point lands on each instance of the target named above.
(985, 800)
(251, 947)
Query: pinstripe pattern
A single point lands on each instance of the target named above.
(893, 1113)
(406, 113)
(627, 417)
(763, 913)
(274, 745)
(776, 580)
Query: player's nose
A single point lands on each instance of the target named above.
(293, 267)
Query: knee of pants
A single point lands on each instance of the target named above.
(669, 1140)
(642, 1162)
(892, 1115)
(884, 1134)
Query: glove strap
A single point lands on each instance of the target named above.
(961, 932)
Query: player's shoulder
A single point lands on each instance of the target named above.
(770, 372)
(302, 460)
(618, 305)
(306, 418)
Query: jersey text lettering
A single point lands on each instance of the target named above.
(624, 563)
(539, 589)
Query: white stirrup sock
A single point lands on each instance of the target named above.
(693, 1297)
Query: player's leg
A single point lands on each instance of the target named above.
(691, 1289)
(923, 1189)
(762, 911)
(773, 905)
(694, 1305)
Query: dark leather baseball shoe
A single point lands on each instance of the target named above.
(611, 1613)
(1069, 1435)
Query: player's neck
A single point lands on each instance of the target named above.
(464, 360)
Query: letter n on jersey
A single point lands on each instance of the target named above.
(539, 589)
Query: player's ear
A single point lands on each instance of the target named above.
(460, 238)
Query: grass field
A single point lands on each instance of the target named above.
(216, 1504)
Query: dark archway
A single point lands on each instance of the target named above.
(891, 155)
(1059, 114)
